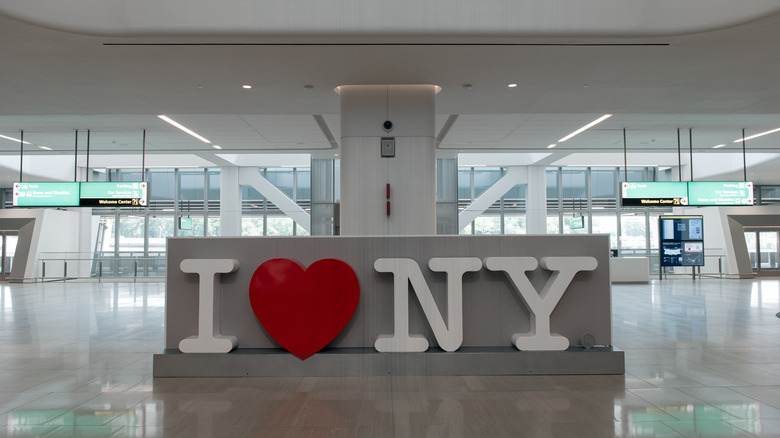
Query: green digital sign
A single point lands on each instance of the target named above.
(113, 194)
(654, 194)
(577, 222)
(46, 194)
(85, 194)
(720, 193)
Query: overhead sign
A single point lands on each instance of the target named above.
(654, 194)
(85, 194)
(46, 194)
(720, 193)
(113, 194)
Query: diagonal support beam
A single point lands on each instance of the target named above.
(250, 176)
(513, 177)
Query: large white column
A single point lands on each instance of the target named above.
(536, 201)
(411, 172)
(229, 202)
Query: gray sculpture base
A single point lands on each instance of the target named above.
(338, 362)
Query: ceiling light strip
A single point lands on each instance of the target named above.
(14, 139)
(183, 128)
(586, 127)
(755, 135)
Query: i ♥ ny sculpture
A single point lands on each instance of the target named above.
(304, 309)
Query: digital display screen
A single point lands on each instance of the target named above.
(577, 222)
(682, 240)
(682, 254)
(681, 228)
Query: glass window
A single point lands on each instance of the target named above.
(161, 184)
(252, 225)
(131, 234)
(606, 223)
(191, 183)
(214, 185)
(303, 187)
(574, 182)
(464, 183)
(514, 224)
(654, 230)
(282, 179)
(633, 234)
(487, 224)
(603, 183)
(160, 227)
(280, 225)
(484, 178)
(106, 230)
(551, 176)
(553, 224)
(128, 175)
(213, 226)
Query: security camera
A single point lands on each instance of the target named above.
(388, 125)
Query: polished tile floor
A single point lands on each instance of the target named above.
(702, 359)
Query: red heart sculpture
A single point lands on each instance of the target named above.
(303, 310)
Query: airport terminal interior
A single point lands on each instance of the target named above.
(253, 120)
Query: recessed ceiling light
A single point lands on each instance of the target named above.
(14, 139)
(246, 86)
(512, 85)
(756, 135)
(718, 146)
(45, 148)
(552, 146)
(216, 146)
(586, 127)
(183, 128)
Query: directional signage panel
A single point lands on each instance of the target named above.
(720, 193)
(113, 194)
(46, 194)
(654, 194)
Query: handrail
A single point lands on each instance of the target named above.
(100, 266)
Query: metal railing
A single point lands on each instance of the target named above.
(63, 266)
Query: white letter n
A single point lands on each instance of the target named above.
(449, 335)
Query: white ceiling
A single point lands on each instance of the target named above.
(654, 79)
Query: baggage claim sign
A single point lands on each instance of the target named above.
(85, 194)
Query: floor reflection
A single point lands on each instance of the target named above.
(702, 359)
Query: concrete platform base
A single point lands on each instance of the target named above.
(368, 362)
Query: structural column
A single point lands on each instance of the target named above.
(230, 202)
(536, 201)
(402, 173)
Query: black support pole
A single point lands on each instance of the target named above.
(21, 154)
(744, 157)
(679, 157)
(143, 159)
(690, 141)
(625, 157)
(88, 135)
(76, 158)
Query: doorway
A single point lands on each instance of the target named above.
(762, 246)
(8, 240)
